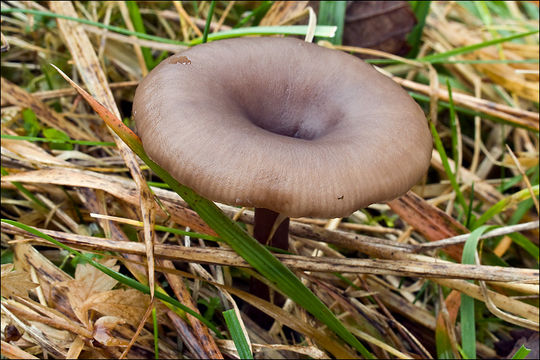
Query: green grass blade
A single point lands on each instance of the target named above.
(321, 31)
(531, 10)
(469, 48)
(93, 23)
(522, 209)
(186, 233)
(256, 14)
(485, 16)
(208, 21)
(421, 10)
(500, 206)
(447, 61)
(57, 140)
(521, 353)
(25, 191)
(59, 137)
(333, 13)
(469, 216)
(513, 181)
(237, 334)
(526, 245)
(443, 344)
(115, 275)
(156, 333)
(177, 231)
(158, 184)
(468, 326)
(447, 169)
(453, 126)
(138, 25)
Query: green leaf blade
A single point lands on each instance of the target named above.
(467, 315)
(333, 13)
(237, 335)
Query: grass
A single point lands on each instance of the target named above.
(485, 58)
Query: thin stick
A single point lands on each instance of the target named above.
(493, 233)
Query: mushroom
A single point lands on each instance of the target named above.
(282, 125)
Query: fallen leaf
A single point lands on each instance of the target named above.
(88, 281)
(15, 282)
(128, 304)
(381, 25)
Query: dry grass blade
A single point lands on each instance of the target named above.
(13, 94)
(120, 187)
(15, 352)
(322, 337)
(205, 340)
(526, 119)
(88, 65)
(502, 315)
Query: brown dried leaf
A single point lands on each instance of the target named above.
(96, 280)
(88, 281)
(431, 222)
(381, 25)
(129, 305)
(15, 282)
(26, 256)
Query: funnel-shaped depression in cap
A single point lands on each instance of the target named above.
(282, 124)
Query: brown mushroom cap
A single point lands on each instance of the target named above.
(282, 124)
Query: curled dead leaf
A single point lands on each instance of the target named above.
(103, 331)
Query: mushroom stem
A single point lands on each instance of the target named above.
(271, 228)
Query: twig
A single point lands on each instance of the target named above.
(432, 268)
(519, 117)
(493, 233)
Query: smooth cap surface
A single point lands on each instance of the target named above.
(282, 124)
